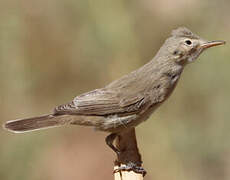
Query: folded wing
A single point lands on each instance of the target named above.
(103, 102)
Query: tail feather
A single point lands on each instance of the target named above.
(35, 123)
(50, 120)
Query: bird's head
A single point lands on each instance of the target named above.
(184, 46)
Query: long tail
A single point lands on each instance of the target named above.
(50, 120)
(35, 123)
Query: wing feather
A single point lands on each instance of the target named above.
(102, 102)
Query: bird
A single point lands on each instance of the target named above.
(130, 100)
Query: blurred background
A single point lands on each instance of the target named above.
(51, 51)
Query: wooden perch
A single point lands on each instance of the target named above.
(129, 156)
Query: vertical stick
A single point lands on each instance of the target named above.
(129, 156)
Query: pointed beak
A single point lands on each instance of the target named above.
(211, 44)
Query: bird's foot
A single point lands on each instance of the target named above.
(131, 167)
(109, 141)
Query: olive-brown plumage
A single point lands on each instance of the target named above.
(130, 100)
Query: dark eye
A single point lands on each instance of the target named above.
(188, 42)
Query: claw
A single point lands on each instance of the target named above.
(131, 167)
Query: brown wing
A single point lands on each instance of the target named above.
(103, 102)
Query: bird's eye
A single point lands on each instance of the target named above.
(188, 42)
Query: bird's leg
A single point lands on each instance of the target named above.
(129, 158)
(109, 141)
